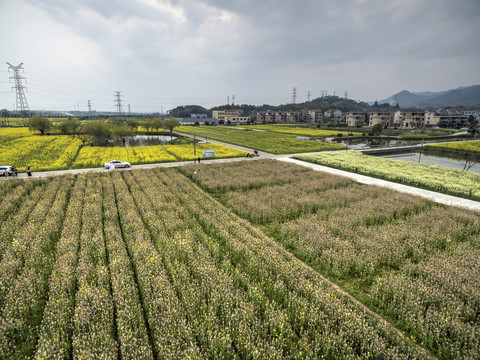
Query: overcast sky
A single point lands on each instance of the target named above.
(165, 53)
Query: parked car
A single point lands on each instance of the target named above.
(117, 164)
(11, 171)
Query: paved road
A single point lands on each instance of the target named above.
(437, 197)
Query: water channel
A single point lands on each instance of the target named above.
(147, 140)
(412, 156)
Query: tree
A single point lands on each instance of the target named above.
(122, 132)
(74, 125)
(171, 123)
(99, 130)
(157, 123)
(70, 126)
(83, 136)
(147, 124)
(40, 123)
(116, 121)
(377, 129)
(132, 123)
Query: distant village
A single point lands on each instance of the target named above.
(391, 117)
(388, 118)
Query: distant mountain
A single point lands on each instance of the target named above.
(462, 96)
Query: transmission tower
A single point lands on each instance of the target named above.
(118, 102)
(89, 107)
(309, 95)
(323, 93)
(294, 95)
(345, 96)
(233, 100)
(22, 104)
(228, 100)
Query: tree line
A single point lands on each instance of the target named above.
(102, 132)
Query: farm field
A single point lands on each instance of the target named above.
(93, 156)
(21, 148)
(297, 130)
(431, 177)
(464, 146)
(264, 139)
(143, 264)
(411, 260)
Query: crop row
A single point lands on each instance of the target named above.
(25, 269)
(414, 260)
(432, 177)
(297, 309)
(144, 265)
(269, 141)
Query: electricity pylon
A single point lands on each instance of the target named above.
(22, 104)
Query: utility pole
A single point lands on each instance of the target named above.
(194, 148)
(21, 104)
(294, 95)
(118, 102)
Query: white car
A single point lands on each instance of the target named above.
(117, 164)
(9, 168)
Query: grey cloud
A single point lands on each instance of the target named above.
(273, 43)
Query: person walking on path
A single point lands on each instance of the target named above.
(111, 167)
(29, 172)
(6, 173)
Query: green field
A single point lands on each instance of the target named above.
(413, 261)
(303, 131)
(270, 138)
(143, 264)
(431, 177)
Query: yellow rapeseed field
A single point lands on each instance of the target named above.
(21, 148)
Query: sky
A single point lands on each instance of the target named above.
(160, 54)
